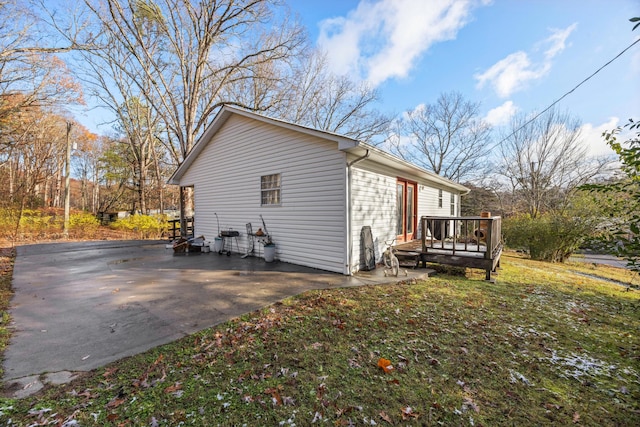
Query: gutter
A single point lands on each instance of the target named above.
(348, 255)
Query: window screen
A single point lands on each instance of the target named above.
(270, 189)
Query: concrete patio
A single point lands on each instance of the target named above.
(79, 306)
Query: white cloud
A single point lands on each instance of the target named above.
(517, 70)
(557, 40)
(511, 74)
(380, 40)
(419, 109)
(501, 115)
(592, 136)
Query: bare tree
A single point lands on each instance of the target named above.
(34, 161)
(317, 98)
(29, 74)
(122, 87)
(196, 52)
(86, 166)
(545, 160)
(116, 186)
(446, 137)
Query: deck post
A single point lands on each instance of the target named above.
(489, 253)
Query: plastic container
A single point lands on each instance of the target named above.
(217, 244)
(269, 253)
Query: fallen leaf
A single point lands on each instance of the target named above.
(275, 395)
(173, 388)
(576, 417)
(469, 403)
(109, 371)
(407, 413)
(386, 417)
(321, 390)
(386, 365)
(114, 403)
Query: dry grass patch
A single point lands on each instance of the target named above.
(7, 256)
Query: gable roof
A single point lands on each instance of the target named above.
(345, 143)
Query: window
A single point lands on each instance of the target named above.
(439, 198)
(270, 189)
(453, 205)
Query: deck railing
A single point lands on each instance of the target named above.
(174, 228)
(459, 237)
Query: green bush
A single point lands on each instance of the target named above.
(83, 224)
(28, 224)
(552, 236)
(145, 226)
(37, 223)
(8, 220)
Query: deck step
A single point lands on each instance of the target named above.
(405, 256)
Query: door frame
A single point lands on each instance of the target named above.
(406, 236)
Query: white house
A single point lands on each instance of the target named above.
(315, 190)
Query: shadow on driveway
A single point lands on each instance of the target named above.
(79, 306)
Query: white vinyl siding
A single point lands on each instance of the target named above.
(428, 201)
(308, 226)
(373, 204)
(373, 200)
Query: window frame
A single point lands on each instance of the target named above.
(275, 190)
(407, 221)
(453, 211)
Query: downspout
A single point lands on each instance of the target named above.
(349, 214)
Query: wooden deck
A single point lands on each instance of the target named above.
(473, 242)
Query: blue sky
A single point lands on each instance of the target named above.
(512, 56)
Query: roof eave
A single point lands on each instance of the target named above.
(385, 158)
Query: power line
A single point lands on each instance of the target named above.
(566, 94)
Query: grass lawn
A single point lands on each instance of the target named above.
(547, 344)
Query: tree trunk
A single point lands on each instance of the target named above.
(159, 181)
(142, 178)
(186, 208)
(58, 190)
(11, 184)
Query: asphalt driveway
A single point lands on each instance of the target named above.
(79, 306)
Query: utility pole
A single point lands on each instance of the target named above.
(67, 183)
